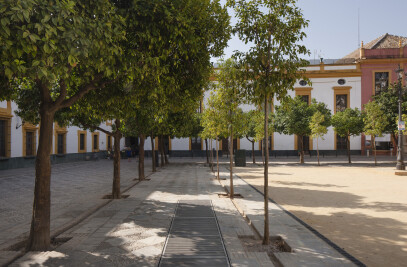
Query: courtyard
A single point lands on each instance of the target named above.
(360, 207)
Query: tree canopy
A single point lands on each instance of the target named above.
(274, 28)
(348, 123)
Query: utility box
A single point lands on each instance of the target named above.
(240, 158)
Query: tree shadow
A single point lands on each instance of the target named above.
(134, 239)
(369, 236)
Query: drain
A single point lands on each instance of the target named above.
(194, 238)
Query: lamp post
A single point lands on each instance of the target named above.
(400, 162)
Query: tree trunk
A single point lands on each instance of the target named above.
(164, 152)
(206, 151)
(39, 238)
(141, 158)
(374, 147)
(161, 148)
(211, 155)
(153, 152)
(217, 155)
(318, 152)
(348, 147)
(301, 149)
(266, 235)
(262, 150)
(253, 156)
(116, 163)
(232, 191)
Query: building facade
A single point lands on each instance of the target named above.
(346, 83)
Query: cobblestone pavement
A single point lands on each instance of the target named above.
(75, 188)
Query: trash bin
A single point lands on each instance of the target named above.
(240, 158)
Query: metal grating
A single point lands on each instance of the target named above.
(194, 238)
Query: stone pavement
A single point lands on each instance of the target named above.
(76, 189)
(133, 231)
(308, 249)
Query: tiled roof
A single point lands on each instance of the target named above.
(384, 41)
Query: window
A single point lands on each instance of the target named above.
(95, 142)
(109, 142)
(60, 134)
(303, 83)
(305, 98)
(3, 138)
(341, 102)
(81, 141)
(29, 139)
(381, 81)
(61, 144)
(305, 94)
(341, 81)
(29, 144)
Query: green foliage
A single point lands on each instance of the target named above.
(46, 40)
(224, 103)
(318, 129)
(254, 125)
(388, 102)
(275, 28)
(348, 122)
(375, 120)
(294, 116)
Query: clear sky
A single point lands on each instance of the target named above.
(333, 25)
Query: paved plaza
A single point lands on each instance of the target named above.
(360, 207)
(133, 231)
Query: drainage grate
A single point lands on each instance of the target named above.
(194, 238)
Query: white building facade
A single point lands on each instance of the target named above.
(332, 84)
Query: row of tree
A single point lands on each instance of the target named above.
(223, 118)
(141, 64)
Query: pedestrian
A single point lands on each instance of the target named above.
(128, 153)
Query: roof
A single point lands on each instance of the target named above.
(384, 41)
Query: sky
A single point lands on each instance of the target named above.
(333, 25)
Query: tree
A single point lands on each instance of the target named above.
(388, 101)
(254, 127)
(114, 104)
(348, 123)
(375, 122)
(294, 117)
(213, 122)
(229, 91)
(318, 129)
(59, 51)
(272, 65)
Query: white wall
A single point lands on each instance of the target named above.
(16, 134)
(179, 144)
(322, 91)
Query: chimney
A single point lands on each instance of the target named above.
(361, 51)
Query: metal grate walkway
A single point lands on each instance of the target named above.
(194, 238)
